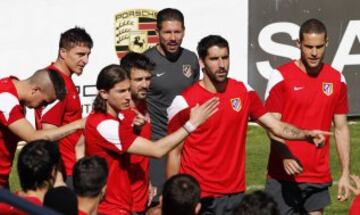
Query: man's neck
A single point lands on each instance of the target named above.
(22, 88)
(213, 87)
(62, 67)
(38, 193)
(169, 56)
(160, 50)
(136, 102)
(88, 205)
(307, 70)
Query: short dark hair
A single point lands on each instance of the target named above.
(181, 194)
(58, 83)
(89, 176)
(75, 36)
(312, 26)
(107, 78)
(36, 163)
(257, 203)
(210, 41)
(49, 79)
(169, 14)
(138, 61)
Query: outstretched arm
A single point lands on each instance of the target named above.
(198, 115)
(23, 129)
(287, 131)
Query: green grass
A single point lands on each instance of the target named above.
(257, 150)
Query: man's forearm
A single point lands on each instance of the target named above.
(290, 132)
(342, 139)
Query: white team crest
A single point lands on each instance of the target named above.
(236, 104)
(327, 88)
(187, 70)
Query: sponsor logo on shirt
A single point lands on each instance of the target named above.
(298, 88)
(327, 88)
(236, 104)
(187, 70)
(135, 31)
(160, 74)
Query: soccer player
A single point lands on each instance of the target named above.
(214, 153)
(309, 94)
(43, 87)
(73, 55)
(109, 132)
(90, 175)
(181, 196)
(139, 68)
(38, 165)
(176, 69)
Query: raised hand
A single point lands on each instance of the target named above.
(138, 122)
(139, 119)
(200, 113)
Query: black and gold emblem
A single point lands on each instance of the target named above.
(135, 30)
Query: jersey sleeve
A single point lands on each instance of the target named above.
(342, 106)
(257, 109)
(178, 120)
(118, 136)
(11, 110)
(52, 113)
(274, 96)
(178, 113)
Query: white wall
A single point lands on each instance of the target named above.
(30, 31)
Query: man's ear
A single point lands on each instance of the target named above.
(104, 95)
(298, 43)
(62, 53)
(160, 201)
(104, 188)
(198, 208)
(35, 89)
(201, 64)
(157, 31)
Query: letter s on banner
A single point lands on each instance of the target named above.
(274, 48)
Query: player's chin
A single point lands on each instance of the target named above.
(142, 95)
(125, 106)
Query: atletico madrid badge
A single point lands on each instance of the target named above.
(327, 88)
(187, 70)
(236, 104)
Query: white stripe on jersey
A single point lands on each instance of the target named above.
(248, 87)
(8, 102)
(343, 80)
(49, 107)
(275, 78)
(177, 105)
(109, 129)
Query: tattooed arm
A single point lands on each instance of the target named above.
(287, 131)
